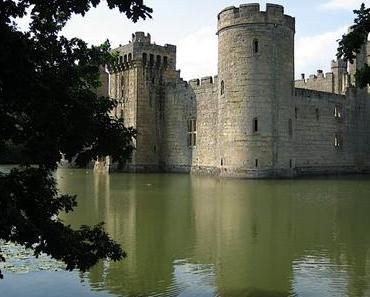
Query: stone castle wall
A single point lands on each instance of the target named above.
(206, 154)
(336, 81)
(327, 133)
(179, 106)
(319, 82)
(252, 120)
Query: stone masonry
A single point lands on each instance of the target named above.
(252, 120)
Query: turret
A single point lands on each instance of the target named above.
(256, 73)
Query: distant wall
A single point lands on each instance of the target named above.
(324, 141)
(318, 82)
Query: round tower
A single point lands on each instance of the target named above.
(256, 83)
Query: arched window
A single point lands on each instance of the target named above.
(222, 88)
(158, 60)
(290, 127)
(151, 59)
(129, 57)
(165, 61)
(255, 46)
(120, 59)
(125, 58)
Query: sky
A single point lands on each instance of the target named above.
(191, 26)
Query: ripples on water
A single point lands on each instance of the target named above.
(190, 236)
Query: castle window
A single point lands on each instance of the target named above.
(222, 162)
(255, 125)
(222, 88)
(165, 61)
(192, 133)
(151, 59)
(338, 111)
(129, 57)
(125, 58)
(255, 46)
(145, 58)
(290, 163)
(296, 113)
(158, 60)
(290, 127)
(317, 114)
(338, 141)
(256, 161)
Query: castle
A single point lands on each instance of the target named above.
(252, 120)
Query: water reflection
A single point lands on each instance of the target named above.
(187, 235)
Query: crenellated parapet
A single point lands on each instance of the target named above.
(336, 81)
(251, 14)
(141, 52)
(204, 82)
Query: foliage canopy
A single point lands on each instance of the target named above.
(48, 105)
(353, 42)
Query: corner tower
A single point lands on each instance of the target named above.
(256, 75)
(137, 82)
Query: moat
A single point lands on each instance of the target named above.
(198, 236)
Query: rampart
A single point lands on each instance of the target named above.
(141, 50)
(335, 81)
(251, 14)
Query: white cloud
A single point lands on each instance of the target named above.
(316, 52)
(343, 4)
(197, 54)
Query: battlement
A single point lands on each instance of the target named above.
(205, 81)
(317, 76)
(251, 14)
(140, 51)
(141, 37)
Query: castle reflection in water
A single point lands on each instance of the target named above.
(186, 234)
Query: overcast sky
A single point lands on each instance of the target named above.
(191, 25)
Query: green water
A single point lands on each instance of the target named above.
(197, 236)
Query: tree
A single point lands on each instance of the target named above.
(48, 105)
(352, 43)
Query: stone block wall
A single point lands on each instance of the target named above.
(179, 107)
(319, 82)
(324, 134)
(206, 158)
(336, 81)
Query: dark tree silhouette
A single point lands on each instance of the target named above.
(351, 44)
(48, 105)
